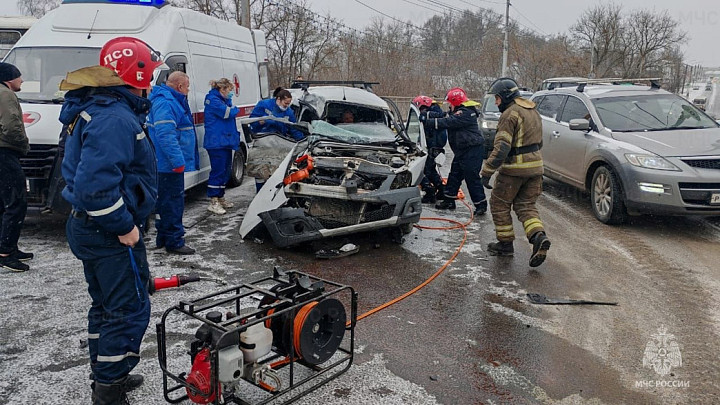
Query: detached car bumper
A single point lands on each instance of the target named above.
(688, 192)
(342, 214)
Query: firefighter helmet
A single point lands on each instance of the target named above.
(132, 59)
(456, 96)
(422, 101)
(505, 88)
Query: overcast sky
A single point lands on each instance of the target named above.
(699, 18)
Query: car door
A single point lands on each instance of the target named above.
(570, 159)
(416, 132)
(549, 109)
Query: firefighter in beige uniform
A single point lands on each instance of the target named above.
(517, 158)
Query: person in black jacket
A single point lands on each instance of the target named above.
(468, 146)
(436, 139)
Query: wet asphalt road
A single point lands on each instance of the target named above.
(471, 336)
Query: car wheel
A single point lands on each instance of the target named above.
(606, 197)
(237, 171)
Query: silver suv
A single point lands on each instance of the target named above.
(636, 149)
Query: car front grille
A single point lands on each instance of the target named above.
(337, 213)
(703, 163)
(39, 161)
(699, 193)
(37, 166)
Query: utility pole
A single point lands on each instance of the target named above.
(245, 9)
(505, 42)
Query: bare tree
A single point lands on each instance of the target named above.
(599, 31)
(648, 36)
(36, 8)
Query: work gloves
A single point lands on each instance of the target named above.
(486, 182)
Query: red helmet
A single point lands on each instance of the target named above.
(132, 59)
(456, 96)
(421, 101)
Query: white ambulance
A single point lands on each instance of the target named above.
(70, 37)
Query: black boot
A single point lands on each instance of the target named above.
(501, 249)
(429, 197)
(109, 394)
(447, 203)
(131, 382)
(480, 209)
(541, 244)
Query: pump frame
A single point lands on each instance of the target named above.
(292, 390)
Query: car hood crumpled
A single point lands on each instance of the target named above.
(685, 142)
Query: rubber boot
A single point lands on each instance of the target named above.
(541, 244)
(501, 249)
(448, 203)
(109, 394)
(480, 209)
(429, 197)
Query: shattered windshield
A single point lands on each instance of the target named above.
(655, 112)
(43, 69)
(356, 133)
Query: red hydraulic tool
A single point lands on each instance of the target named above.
(176, 280)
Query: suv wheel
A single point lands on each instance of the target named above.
(237, 170)
(606, 197)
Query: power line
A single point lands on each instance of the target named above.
(528, 20)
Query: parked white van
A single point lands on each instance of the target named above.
(70, 37)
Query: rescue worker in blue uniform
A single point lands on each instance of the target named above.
(111, 182)
(277, 106)
(221, 138)
(436, 139)
(467, 144)
(172, 130)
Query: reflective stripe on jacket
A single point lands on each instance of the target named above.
(109, 164)
(462, 126)
(171, 128)
(520, 125)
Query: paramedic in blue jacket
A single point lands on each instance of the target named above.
(436, 139)
(110, 174)
(172, 131)
(468, 146)
(278, 106)
(221, 138)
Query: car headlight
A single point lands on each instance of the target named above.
(650, 162)
(484, 124)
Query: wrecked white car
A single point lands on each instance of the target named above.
(343, 178)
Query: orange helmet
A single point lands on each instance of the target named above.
(422, 101)
(132, 59)
(456, 96)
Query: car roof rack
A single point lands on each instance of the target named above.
(304, 84)
(654, 82)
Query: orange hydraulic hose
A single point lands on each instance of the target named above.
(458, 225)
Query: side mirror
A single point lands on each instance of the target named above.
(579, 124)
